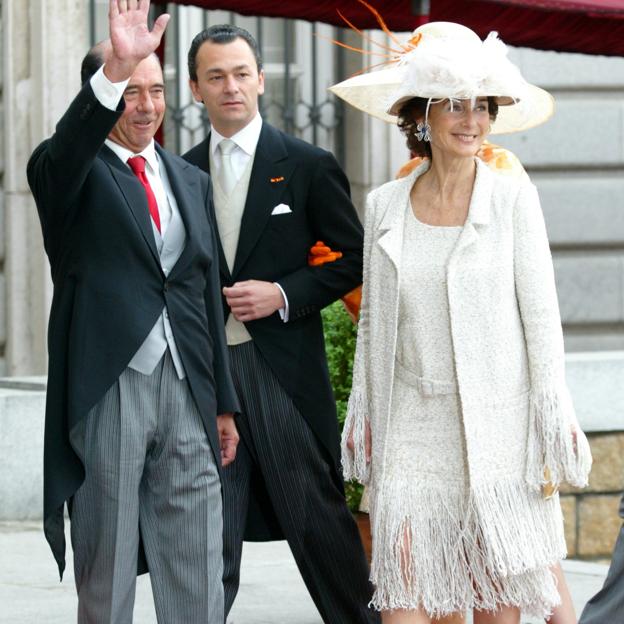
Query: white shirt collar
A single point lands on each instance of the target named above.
(149, 153)
(246, 138)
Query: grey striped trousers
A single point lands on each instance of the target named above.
(148, 464)
(280, 448)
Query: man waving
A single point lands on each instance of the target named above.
(140, 399)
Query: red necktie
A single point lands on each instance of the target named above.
(137, 164)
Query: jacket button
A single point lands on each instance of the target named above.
(166, 286)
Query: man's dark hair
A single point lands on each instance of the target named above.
(96, 57)
(220, 33)
(93, 60)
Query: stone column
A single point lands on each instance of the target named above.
(43, 44)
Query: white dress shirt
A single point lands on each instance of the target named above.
(246, 141)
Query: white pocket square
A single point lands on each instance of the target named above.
(281, 209)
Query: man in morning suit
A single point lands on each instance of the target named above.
(608, 604)
(138, 362)
(274, 197)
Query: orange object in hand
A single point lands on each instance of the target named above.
(320, 254)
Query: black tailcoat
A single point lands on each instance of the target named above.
(275, 248)
(109, 288)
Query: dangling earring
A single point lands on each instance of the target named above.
(423, 131)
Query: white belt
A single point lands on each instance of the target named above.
(427, 387)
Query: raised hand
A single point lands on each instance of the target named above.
(131, 38)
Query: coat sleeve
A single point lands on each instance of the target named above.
(557, 449)
(59, 166)
(358, 408)
(332, 219)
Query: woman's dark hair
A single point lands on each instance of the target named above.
(413, 111)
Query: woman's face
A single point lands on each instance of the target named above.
(459, 127)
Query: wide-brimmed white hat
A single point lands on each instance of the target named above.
(445, 60)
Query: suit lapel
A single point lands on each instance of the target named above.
(134, 194)
(270, 176)
(186, 189)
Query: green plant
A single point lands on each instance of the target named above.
(340, 336)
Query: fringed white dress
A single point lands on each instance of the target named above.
(436, 560)
(458, 370)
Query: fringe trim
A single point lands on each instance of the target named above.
(551, 453)
(443, 550)
(354, 464)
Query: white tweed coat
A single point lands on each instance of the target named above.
(509, 360)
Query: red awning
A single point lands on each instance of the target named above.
(589, 26)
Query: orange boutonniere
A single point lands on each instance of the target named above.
(278, 179)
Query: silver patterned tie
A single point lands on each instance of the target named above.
(227, 179)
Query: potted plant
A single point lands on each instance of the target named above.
(340, 336)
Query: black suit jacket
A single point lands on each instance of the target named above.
(275, 248)
(109, 288)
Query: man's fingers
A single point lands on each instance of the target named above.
(228, 454)
(160, 24)
(113, 9)
(233, 291)
(228, 450)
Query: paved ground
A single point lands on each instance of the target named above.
(271, 589)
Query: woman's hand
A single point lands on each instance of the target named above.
(367, 441)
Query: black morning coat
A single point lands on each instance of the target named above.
(275, 248)
(109, 288)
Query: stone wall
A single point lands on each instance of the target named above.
(43, 42)
(576, 161)
(22, 407)
(591, 515)
(2, 135)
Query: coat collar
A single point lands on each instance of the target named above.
(183, 185)
(392, 223)
(134, 194)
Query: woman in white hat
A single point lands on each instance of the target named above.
(459, 420)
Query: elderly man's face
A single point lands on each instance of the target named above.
(145, 107)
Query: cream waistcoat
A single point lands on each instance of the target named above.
(229, 213)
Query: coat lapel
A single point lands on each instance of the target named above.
(478, 212)
(270, 176)
(185, 187)
(392, 224)
(134, 194)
